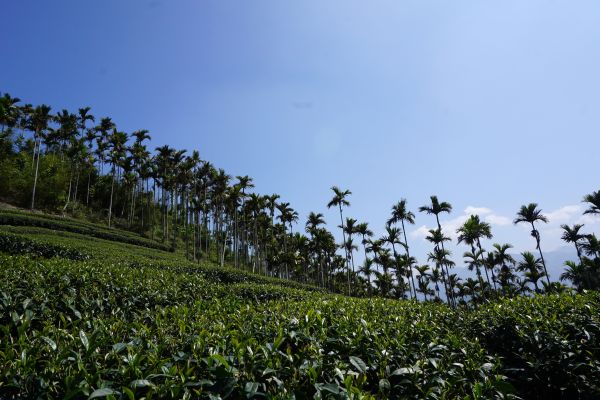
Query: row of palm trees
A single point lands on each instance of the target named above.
(176, 197)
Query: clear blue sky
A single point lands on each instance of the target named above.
(485, 103)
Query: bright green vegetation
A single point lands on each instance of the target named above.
(164, 278)
(83, 316)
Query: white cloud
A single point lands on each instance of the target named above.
(450, 226)
(588, 219)
(420, 232)
(563, 214)
(497, 220)
(570, 214)
(470, 210)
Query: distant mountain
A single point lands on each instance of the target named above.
(555, 260)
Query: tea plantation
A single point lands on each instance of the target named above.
(87, 312)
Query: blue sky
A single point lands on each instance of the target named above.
(489, 105)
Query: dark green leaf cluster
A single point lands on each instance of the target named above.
(14, 244)
(128, 330)
(55, 223)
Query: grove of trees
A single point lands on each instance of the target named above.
(79, 165)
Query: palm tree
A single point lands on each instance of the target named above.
(340, 200)
(102, 139)
(471, 233)
(314, 221)
(594, 200)
(9, 111)
(437, 237)
(532, 267)
(585, 275)
(39, 123)
(591, 246)
(363, 230)
(572, 235)
(393, 237)
(82, 119)
(574, 272)
(505, 260)
(384, 283)
(400, 213)
(350, 230)
(530, 214)
(244, 183)
(286, 216)
(117, 153)
(312, 227)
(423, 280)
(436, 208)
(367, 270)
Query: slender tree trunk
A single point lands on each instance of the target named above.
(69, 191)
(345, 250)
(87, 196)
(37, 167)
(412, 279)
(537, 239)
(112, 185)
(76, 182)
(449, 295)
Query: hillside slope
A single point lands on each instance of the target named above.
(86, 313)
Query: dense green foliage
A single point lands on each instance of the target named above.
(14, 244)
(148, 323)
(76, 226)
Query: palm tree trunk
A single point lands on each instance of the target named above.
(449, 293)
(37, 167)
(412, 279)
(112, 185)
(87, 196)
(345, 250)
(537, 239)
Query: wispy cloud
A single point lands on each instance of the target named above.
(450, 226)
(564, 214)
(569, 215)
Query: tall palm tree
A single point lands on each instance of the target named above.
(575, 273)
(532, 268)
(531, 214)
(244, 183)
(117, 153)
(594, 200)
(471, 232)
(366, 233)
(572, 235)
(585, 275)
(340, 200)
(312, 227)
(423, 280)
(286, 216)
(437, 238)
(400, 213)
(9, 111)
(39, 123)
(504, 260)
(591, 246)
(82, 119)
(367, 270)
(350, 229)
(392, 237)
(436, 208)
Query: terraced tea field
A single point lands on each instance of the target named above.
(87, 312)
